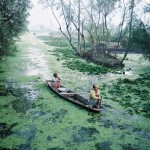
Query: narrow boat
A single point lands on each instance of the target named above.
(72, 97)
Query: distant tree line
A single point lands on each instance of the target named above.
(13, 21)
(90, 19)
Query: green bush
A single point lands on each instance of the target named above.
(13, 21)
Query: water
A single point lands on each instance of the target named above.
(36, 118)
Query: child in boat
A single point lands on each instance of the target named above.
(56, 81)
(95, 97)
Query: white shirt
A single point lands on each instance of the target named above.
(54, 79)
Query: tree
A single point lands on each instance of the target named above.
(13, 15)
(70, 14)
(106, 7)
(90, 20)
(79, 24)
(131, 9)
(141, 38)
(138, 32)
(122, 24)
(83, 17)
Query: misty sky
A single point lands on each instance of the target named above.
(41, 16)
(38, 15)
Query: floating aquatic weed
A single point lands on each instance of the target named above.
(93, 120)
(130, 147)
(108, 123)
(126, 80)
(142, 133)
(58, 116)
(105, 145)
(25, 96)
(24, 147)
(125, 126)
(50, 138)
(55, 148)
(28, 134)
(36, 114)
(84, 134)
(73, 62)
(3, 90)
(84, 67)
(8, 148)
(21, 105)
(132, 94)
(69, 144)
(5, 130)
(4, 106)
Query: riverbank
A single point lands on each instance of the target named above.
(33, 117)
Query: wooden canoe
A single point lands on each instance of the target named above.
(73, 97)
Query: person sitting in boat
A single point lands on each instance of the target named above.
(95, 97)
(56, 81)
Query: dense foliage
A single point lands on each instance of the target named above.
(13, 15)
(92, 24)
(141, 38)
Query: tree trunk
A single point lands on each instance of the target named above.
(105, 22)
(121, 26)
(130, 31)
(79, 40)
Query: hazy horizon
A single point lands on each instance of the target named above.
(41, 19)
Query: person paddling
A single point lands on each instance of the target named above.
(95, 97)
